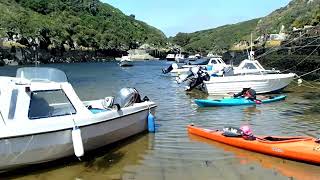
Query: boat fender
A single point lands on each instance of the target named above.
(151, 123)
(77, 142)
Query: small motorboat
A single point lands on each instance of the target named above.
(238, 101)
(305, 149)
(249, 73)
(43, 119)
(125, 61)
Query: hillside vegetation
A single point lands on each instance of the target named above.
(84, 23)
(217, 39)
(297, 13)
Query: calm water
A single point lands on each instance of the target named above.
(171, 153)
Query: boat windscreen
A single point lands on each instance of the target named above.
(42, 74)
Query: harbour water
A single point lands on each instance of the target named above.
(171, 153)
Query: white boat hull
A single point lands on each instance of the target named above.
(260, 83)
(126, 63)
(25, 150)
(179, 60)
(180, 71)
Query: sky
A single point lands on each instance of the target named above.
(173, 16)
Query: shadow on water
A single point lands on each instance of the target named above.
(291, 169)
(99, 160)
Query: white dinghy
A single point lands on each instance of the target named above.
(42, 118)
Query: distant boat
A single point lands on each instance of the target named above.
(125, 61)
(179, 58)
(170, 57)
(192, 58)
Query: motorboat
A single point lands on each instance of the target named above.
(192, 58)
(125, 61)
(214, 65)
(249, 74)
(43, 119)
(179, 58)
(170, 57)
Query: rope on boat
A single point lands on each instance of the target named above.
(3, 118)
(296, 49)
(303, 59)
(306, 83)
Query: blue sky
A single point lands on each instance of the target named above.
(173, 16)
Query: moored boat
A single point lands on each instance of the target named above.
(305, 149)
(179, 58)
(249, 74)
(170, 57)
(43, 119)
(125, 61)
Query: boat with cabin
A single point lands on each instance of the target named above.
(43, 119)
(170, 57)
(214, 65)
(179, 58)
(249, 74)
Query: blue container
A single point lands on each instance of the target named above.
(151, 123)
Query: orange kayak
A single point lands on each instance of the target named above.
(299, 148)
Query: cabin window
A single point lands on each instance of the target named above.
(214, 62)
(249, 66)
(44, 104)
(13, 103)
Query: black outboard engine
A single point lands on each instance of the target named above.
(170, 68)
(127, 97)
(195, 77)
(198, 79)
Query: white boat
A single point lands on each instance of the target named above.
(179, 58)
(43, 119)
(213, 65)
(263, 83)
(249, 74)
(170, 57)
(192, 58)
(125, 61)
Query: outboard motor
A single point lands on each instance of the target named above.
(198, 79)
(195, 77)
(170, 68)
(128, 96)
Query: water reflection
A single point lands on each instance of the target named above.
(108, 162)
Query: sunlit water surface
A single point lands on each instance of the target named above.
(171, 153)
